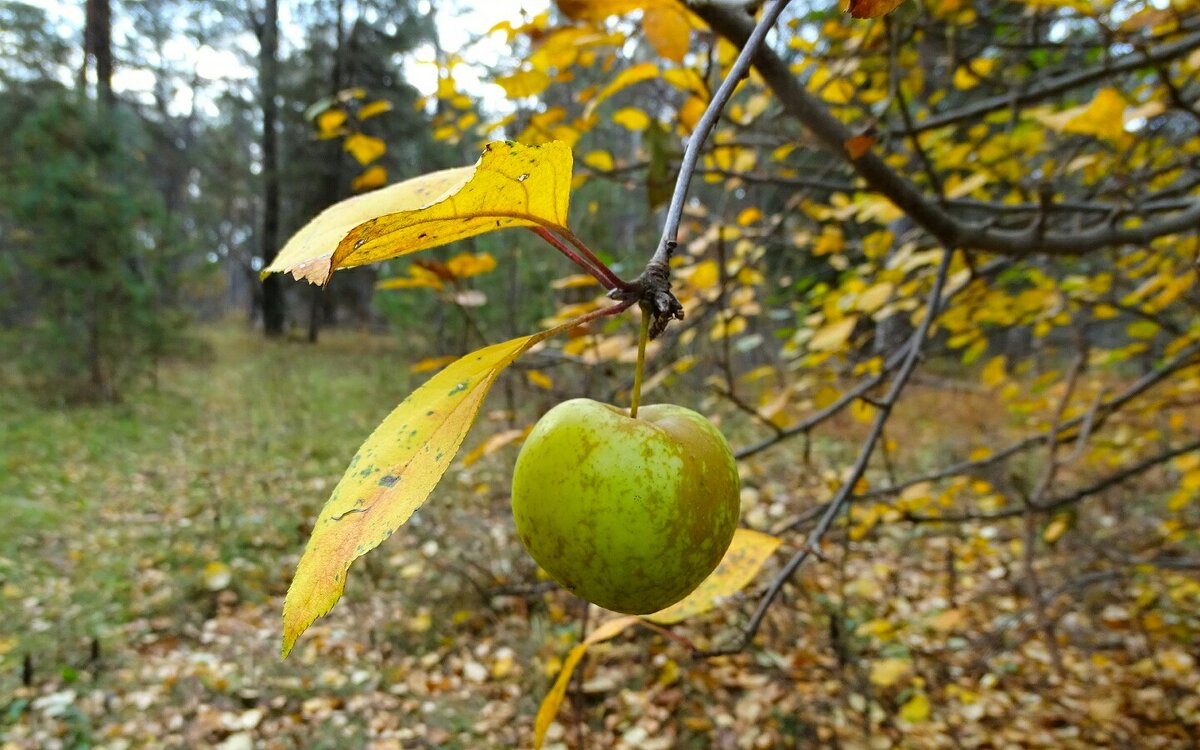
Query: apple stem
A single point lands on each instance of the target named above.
(643, 337)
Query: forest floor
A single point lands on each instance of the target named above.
(146, 548)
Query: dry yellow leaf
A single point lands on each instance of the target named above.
(691, 112)
(511, 185)
(601, 160)
(524, 83)
(749, 215)
(667, 29)
(371, 178)
(994, 372)
(598, 10)
(887, 672)
(495, 443)
(553, 700)
(431, 363)
(466, 265)
(364, 148)
(742, 561)
(916, 709)
(377, 107)
(390, 476)
(631, 118)
(624, 79)
(833, 336)
(1103, 117)
(539, 379)
(329, 123)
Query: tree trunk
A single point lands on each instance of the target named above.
(274, 312)
(332, 178)
(97, 46)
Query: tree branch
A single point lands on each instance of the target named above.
(845, 493)
(1061, 501)
(949, 230)
(1062, 83)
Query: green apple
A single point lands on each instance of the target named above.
(631, 514)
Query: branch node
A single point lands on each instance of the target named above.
(652, 291)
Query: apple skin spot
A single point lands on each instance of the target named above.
(631, 514)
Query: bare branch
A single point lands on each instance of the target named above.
(845, 493)
(1062, 83)
(1062, 501)
(691, 155)
(949, 230)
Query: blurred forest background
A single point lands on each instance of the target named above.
(1009, 189)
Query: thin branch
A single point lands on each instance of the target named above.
(1062, 83)
(860, 389)
(695, 144)
(1062, 501)
(880, 177)
(845, 493)
(1092, 419)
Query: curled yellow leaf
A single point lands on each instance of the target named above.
(511, 185)
(742, 561)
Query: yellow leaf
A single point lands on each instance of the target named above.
(540, 379)
(704, 275)
(624, 79)
(667, 28)
(916, 709)
(833, 336)
(364, 148)
(861, 411)
(418, 278)
(524, 83)
(631, 118)
(329, 123)
(872, 8)
(377, 107)
(691, 112)
(598, 10)
(1103, 117)
(553, 700)
(957, 189)
(749, 216)
(371, 178)
(746, 554)
(871, 299)
(601, 160)
(575, 281)
(391, 476)
(495, 443)
(511, 185)
(1142, 329)
(947, 621)
(688, 81)
(1056, 528)
(887, 672)
(466, 265)
(431, 363)
(993, 372)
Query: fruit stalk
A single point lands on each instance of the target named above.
(643, 337)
